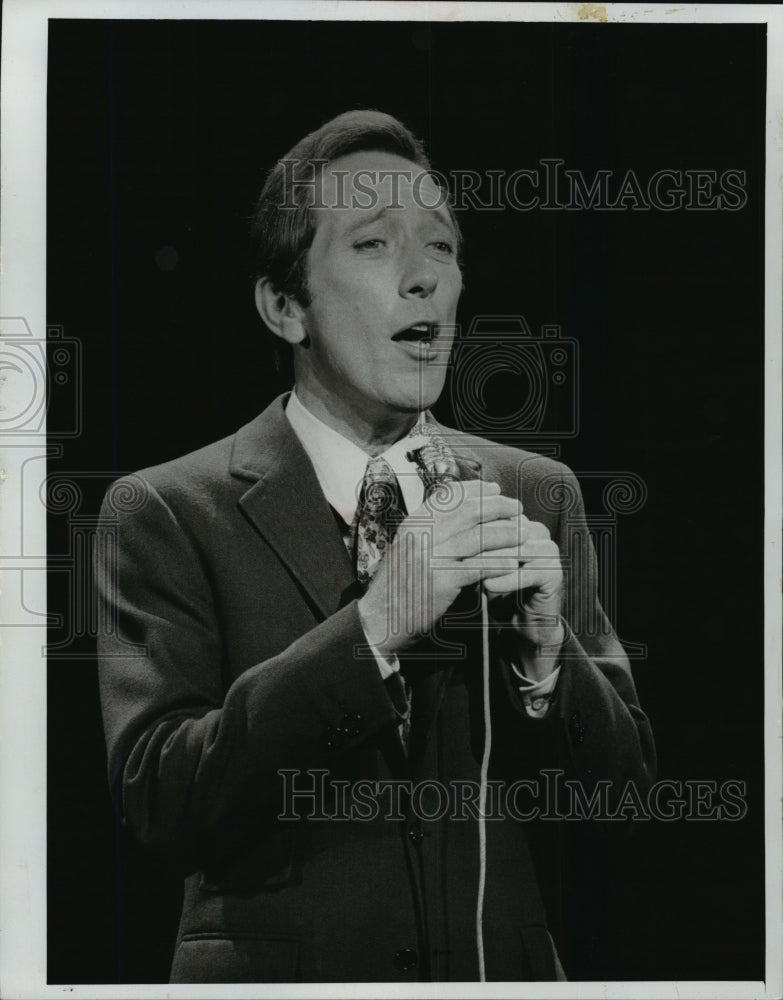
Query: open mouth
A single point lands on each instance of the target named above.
(419, 333)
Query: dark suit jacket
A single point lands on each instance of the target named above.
(235, 655)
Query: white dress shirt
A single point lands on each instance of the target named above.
(340, 466)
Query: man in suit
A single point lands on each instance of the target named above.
(299, 676)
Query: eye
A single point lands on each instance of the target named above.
(444, 247)
(373, 243)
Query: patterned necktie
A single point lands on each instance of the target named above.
(381, 508)
(378, 515)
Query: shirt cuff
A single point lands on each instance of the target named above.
(387, 665)
(536, 695)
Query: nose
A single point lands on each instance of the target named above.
(419, 277)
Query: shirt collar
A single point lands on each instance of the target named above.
(340, 464)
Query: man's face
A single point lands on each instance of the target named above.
(384, 284)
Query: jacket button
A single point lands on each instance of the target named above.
(351, 724)
(334, 738)
(578, 728)
(416, 833)
(405, 959)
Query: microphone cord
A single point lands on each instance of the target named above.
(482, 821)
(431, 482)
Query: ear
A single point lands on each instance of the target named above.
(281, 313)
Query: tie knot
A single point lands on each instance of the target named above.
(380, 490)
(378, 468)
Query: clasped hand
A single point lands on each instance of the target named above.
(454, 540)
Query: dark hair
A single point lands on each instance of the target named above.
(281, 227)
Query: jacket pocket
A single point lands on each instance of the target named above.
(212, 958)
(540, 953)
(268, 864)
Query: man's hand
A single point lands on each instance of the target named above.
(449, 543)
(445, 546)
(538, 580)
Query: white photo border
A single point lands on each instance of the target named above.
(22, 667)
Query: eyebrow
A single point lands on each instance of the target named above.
(439, 211)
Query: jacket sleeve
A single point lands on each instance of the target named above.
(595, 728)
(194, 760)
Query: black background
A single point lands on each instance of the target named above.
(158, 137)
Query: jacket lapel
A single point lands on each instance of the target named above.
(287, 507)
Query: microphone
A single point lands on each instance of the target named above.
(433, 474)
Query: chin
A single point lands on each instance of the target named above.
(415, 404)
(421, 396)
